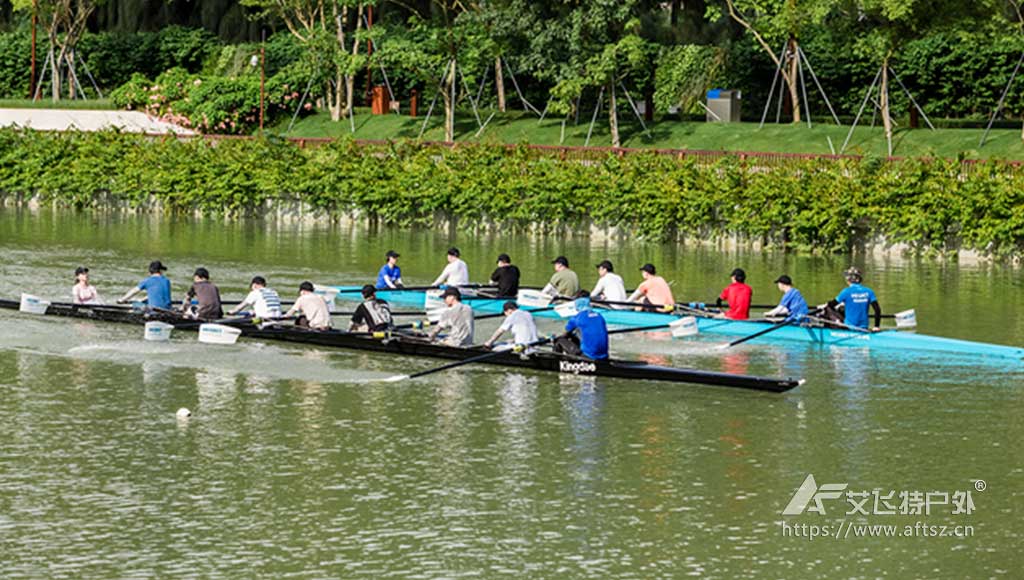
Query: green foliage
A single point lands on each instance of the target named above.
(684, 73)
(14, 64)
(800, 204)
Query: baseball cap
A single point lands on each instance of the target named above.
(392, 254)
(784, 279)
(452, 291)
(81, 270)
(561, 260)
(853, 274)
(649, 268)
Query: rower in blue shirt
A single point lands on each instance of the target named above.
(593, 332)
(390, 275)
(792, 306)
(855, 300)
(156, 286)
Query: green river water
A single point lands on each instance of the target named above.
(297, 463)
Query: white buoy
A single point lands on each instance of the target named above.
(184, 413)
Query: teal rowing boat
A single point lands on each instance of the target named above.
(890, 339)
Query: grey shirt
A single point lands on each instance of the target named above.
(457, 322)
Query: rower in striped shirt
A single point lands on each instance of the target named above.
(263, 302)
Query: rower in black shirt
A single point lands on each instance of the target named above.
(507, 277)
(372, 314)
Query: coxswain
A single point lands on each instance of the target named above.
(372, 315)
(610, 286)
(261, 301)
(456, 320)
(655, 291)
(592, 338)
(83, 292)
(506, 276)
(792, 306)
(738, 295)
(156, 286)
(205, 295)
(564, 282)
(520, 322)
(455, 273)
(855, 299)
(390, 275)
(311, 308)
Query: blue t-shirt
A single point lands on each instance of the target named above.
(794, 301)
(158, 291)
(393, 272)
(593, 333)
(856, 299)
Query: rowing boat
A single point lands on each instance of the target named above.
(889, 339)
(412, 346)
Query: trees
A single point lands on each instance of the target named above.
(65, 23)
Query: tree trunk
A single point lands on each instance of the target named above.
(613, 119)
(792, 79)
(55, 75)
(449, 104)
(350, 79)
(499, 82)
(883, 95)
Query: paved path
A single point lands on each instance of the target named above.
(71, 120)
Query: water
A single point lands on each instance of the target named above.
(297, 463)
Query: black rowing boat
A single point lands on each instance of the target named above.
(401, 344)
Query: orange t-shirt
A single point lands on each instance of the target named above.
(657, 291)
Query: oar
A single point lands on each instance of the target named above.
(770, 306)
(421, 324)
(485, 356)
(771, 328)
(418, 288)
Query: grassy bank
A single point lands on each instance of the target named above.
(518, 127)
(47, 103)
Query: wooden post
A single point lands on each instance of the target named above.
(35, 19)
(414, 102)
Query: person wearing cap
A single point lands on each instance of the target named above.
(311, 308)
(792, 306)
(83, 292)
(520, 322)
(202, 301)
(372, 315)
(592, 329)
(263, 302)
(654, 290)
(738, 295)
(390, 275)
(506, 276)
(609, 286)
(455, 273)
(855, 300)
(564, 282)
(456, 321)
(156, 286)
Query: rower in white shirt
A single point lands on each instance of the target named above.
(609, 286)
(263, 302)
(455, 273)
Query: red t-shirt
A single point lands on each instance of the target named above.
(738, 296)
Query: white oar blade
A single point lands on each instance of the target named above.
(567, 310)
(906, 319)
(686, 326)
(394, 379)
(433, 300)
(533, 299)
(218, 334)
(434, 315)
(33, 304)
(328, 293)
(157, 331)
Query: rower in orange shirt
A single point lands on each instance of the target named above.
(655, 290)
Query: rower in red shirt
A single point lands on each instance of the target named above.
(738, 296)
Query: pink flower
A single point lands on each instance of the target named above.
(308, 106)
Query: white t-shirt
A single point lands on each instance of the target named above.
(454, 274)
(524, 330)
(265, 303)
(611, 286)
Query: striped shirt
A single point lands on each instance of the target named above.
(265, 303)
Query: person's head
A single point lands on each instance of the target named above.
(784, 283)
(738, 275)
(451, 295)
(453, 254)
(306, 288)
(82, 274)
(853, 275)
(509, 307)
(504, 260)
(155, 267)
(582, 300)
(561, 263)
(258, 282)
(604, 267)
(201, 274)
(648, 271)
(369, 292)
(392, 257)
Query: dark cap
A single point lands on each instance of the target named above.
(202, 273)
(739, 274)
(392, 254)
(561, 260)
(452, 291)
(853, 274)
(607, 265)
(510, 305)
(784, 279)
(649, 268)
(306, 286)
(81, 270)
(155, 266)
(258, 280)
(453, 251)
(582, 293)
(369, 290)
(504, 258)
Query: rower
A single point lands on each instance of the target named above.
(390, 275)
(261, 302)
(372, 315)
(592, 341)
(457, 320)
(83, 292)
(506, 276)
(156, 286)
(520, 322)
(792, 306)
(737, 294)
(564, 282)
(206, 296)
(855, 299)
(655, 290)
(311, 308)
(610, 286)
(456, 273)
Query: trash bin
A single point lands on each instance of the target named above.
(723, 106)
